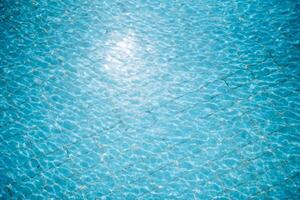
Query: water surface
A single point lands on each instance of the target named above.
(108, 99)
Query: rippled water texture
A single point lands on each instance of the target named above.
(146, 99)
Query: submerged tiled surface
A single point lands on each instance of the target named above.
(149, 99)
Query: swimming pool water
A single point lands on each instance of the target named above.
(146, 99)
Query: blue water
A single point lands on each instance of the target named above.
(146, 99)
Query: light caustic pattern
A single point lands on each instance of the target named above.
(149, 99)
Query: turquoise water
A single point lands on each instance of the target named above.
(107, 99)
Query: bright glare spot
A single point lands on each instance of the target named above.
(121, 58)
